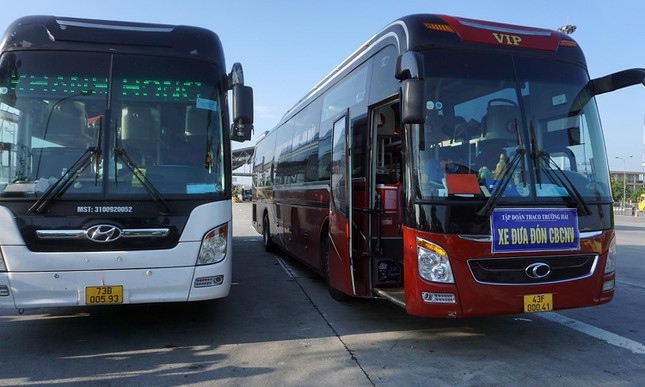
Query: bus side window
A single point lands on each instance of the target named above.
(388, 132)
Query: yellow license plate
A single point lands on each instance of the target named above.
(102, 295)
(538, 303)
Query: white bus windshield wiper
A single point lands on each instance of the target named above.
(500, 187)
(65, 181)
(562, 179)
(71, 174)
(136, 171)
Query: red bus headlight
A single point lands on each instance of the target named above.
(610, 265)
(433, 263)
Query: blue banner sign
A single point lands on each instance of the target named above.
(534, 229)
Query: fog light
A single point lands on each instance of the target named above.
(4, 290)
(205, 282)
(608, 285)
(438, 298)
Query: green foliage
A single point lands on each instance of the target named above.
(631, 196)
(617, 189)
(635, 194)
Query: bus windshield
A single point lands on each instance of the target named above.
(106, 124)
(507, 127)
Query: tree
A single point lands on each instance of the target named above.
(635, 194)
(617, 189)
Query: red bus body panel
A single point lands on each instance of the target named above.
(475, 299)
(339, 266)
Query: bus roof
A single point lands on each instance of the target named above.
(424, 31)
(54, 32)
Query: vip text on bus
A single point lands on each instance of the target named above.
(453, 166)
(115, 162)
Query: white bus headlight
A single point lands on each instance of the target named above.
(213, 248)
(433, 263)
(610, 265)
(3, 267)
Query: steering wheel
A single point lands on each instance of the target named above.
(504, 100)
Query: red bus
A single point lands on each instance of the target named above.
(456, 167)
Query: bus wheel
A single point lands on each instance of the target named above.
(324, 255)
(269, 245)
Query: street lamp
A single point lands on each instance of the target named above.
(624, 179)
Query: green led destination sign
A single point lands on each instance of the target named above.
(161, 89)
(60, 85)
(127, 88)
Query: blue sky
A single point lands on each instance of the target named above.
(286, 47)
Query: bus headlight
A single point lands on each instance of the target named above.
(213, 248)
(433, 263)
(610, 265)
(3, 267)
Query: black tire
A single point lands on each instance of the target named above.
(269, 245)
(324, 256)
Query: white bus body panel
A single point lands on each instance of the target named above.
(37, 279)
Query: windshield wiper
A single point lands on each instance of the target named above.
(562, 179)
(154, 193)
(492, 201)
(535, 155)
(97, 160)
(65, 181)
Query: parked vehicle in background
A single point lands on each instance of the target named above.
(454, 166)
(247, 194)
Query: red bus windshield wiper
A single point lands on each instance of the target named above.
(500, 187)
(136, 171)
(561, 178)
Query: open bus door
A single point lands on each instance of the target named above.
(340, 261)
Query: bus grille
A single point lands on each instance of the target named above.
(532, 270)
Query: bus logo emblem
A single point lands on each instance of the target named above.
(537, 270)
(103, 233)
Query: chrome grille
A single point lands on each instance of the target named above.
(518, 270)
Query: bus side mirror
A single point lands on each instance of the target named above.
(409, 65)
(606, 84)
(409, 70)
(242, 126)
(413, 101)
(618, 80)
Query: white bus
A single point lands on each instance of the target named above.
(115, 174)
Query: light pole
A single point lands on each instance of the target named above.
(624, 179)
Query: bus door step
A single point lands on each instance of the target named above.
(395, 295)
